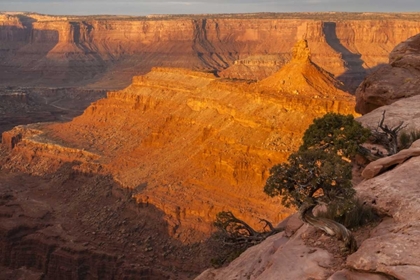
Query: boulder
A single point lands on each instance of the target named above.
(379, 166)
(396, 80)
(392, 246)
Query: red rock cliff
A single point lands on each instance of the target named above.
(109, 51)
(192, 144)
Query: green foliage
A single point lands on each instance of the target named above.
(357, 215)
(407, 138)
(335, 133)
(311, 173)
(320, 169)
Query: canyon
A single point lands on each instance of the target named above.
(106, 52)
(197, 111)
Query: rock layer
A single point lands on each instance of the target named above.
(108, 51)
(187, 142)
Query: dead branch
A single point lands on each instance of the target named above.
(388, 136)
(237, 232)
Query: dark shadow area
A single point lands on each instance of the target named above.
(23, 52)
(359, 80)
(74, 225)
(20, 106)
(355, 72)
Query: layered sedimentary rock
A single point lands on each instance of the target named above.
(303, 77)
(108, 51)
(255, 67)
(397, 80)
(187, 142)
(387, 250)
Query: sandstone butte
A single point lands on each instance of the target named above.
(189, 143)
(106, 52)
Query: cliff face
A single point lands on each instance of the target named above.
(386, 249)
(108, 52)
(397, 80)
(189, 143)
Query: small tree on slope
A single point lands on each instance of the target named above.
(320, 173)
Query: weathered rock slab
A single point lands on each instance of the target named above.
(346, 274)
(278, 257)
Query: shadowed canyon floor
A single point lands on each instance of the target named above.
(69, 225)
(30, 105)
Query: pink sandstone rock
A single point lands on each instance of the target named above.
(399, 79)
(278, 257)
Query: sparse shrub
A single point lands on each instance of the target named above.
(320, 174)
(236, 236)
(335, 133)
(407, 138)
(358, 215)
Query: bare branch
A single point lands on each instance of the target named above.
(237, 232)
(388, 136)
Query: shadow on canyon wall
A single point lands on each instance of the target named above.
(72, 225)
(33, 56)
(24, 50)
(355, 73)
(19, 106)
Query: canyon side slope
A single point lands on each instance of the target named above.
(130, 187)
(105, 52)
(135, 182)
(388, 249)
(189, 143)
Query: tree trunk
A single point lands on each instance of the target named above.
(330, 227)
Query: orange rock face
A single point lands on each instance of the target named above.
(58, 51)
(190, 143)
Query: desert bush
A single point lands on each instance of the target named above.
(358, 215)
(335, 133)
(406, 138)
(320, 173)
